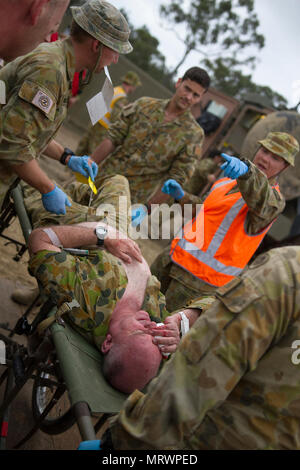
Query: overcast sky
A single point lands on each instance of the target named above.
(279, 61)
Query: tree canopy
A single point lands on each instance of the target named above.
(225, 34)
(215, 28)
(234, 83)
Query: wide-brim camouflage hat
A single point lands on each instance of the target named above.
(104, 22)
(282, 144)
(131, 78)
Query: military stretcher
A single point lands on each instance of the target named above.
(68, 384)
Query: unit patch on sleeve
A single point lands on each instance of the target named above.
(43, 101)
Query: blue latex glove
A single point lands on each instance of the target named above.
(233, 167)
(81, 165)
(173, 188)
(56, 201)
(138, 214)
(89, 445)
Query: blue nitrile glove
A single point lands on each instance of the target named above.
(233, 167)
(56, 201)
(89, 445)
(138, 214)
(81, 165)
(173, 188)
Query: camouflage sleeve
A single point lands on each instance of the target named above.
(186, 161)
(264, 202)
(226, 342)
(119, 129)
(28, 114)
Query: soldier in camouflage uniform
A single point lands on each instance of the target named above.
(233, 382)
(264, 203)
(38, 88)
(113, 193)
(24, 24)
(110, 204)
(112, 287)
(98, 132)
(155, 139)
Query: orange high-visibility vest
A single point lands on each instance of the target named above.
(224, 248)
(118, 93)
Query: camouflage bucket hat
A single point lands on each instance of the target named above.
(131, 78)
(104, 22)
(282, 144)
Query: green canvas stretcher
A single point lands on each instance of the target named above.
(81, 366)
(80, 361)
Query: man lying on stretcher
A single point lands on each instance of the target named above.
(120, 301)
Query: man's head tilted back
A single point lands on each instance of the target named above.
(131, 359)
(131, 367)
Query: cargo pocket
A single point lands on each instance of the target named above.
(238, 294)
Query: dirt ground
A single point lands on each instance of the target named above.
(14, 275)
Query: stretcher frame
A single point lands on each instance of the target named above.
(79, 362)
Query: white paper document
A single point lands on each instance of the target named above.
(99, 104)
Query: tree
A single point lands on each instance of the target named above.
(146, 55)
(234, 83)
(215, 28)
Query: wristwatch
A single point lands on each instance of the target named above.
(101, 233)
(65, 155)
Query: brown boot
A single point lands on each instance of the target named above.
(26, 295)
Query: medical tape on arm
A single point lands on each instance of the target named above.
(184, 328)
(53, 237)
(184, 323)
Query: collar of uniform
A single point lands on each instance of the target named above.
(70, 57)
(178, 119)
(273, 181)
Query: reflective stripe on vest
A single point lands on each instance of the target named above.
(227, 247)
(118, 94)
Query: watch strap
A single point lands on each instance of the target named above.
(65, 155)
(100, 241)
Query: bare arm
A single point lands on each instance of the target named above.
(54, 150)
(31, 173)
(103, 150)
(74, 236)
(158, 198)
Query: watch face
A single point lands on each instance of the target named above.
(101, 232)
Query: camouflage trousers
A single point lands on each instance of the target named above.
(111, 204)
(178, 285)
(233, 382)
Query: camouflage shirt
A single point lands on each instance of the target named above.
(149, 151)
(233, 382)
(97, 282)
(263, 201)
(38, 87)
